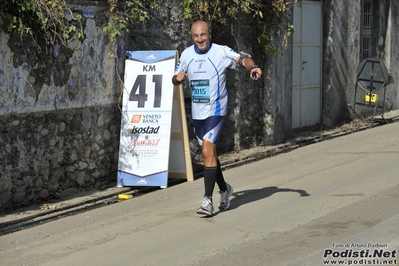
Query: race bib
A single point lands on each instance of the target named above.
(200, 91)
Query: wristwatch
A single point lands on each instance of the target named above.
(254, 73)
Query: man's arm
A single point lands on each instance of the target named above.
(248, 63)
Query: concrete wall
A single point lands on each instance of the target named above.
(392, 39)
(83, 74)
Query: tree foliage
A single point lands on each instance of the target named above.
(266, 14)
(38, 18)
(54, 20)
(125, 12)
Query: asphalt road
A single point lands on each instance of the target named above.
(337, 199)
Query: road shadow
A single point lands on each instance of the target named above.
(240, 198)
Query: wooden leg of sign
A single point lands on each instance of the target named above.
(187, 151)
(180, 165)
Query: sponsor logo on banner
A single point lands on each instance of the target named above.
(136, 119)
(151, 56)
(144, 142)
(146, 119)
(151, 119)
(145, 130)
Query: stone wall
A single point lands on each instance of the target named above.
(49, 155)
(59, 114)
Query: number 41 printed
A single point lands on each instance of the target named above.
(139, 91)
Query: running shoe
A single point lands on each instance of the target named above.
(206, 207)
(224, 202)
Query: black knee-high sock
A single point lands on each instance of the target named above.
(220, 179)
(210, 176)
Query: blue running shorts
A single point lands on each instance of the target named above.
(208, 129)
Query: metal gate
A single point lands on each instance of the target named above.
(306, 65)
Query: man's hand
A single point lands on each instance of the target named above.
(256, 73)
(179, 78)
(248, 63)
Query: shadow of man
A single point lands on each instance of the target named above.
(247, 196)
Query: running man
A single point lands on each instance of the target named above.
(205, 64)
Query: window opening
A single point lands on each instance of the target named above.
(367, 20)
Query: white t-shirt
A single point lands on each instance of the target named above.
(207, 78)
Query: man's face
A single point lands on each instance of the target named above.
(201, 36)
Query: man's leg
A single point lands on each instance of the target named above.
(214, 174)
(207, 132)
(220, 179)
(210, 167)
